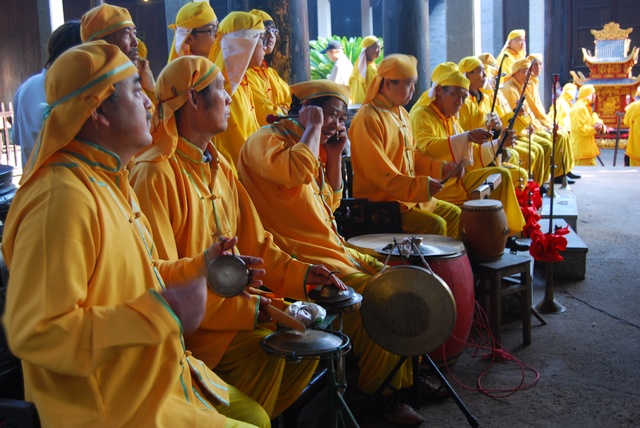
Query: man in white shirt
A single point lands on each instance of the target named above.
(342, 67)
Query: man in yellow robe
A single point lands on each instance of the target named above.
(114, 25)
(476, 113)
(194, 30)
(239, 45)
(292, 170)
(585, 124)
(563, 156)
(364, 70)
(563, 106)
(386, 164)
(515, 48)
(439, 136)
(98, 320)
(632, 120)
(271, 94)
(192, 199)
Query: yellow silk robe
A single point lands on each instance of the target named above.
(271, 94)
(242, 123)
(433, 131)
(99, 345)
(583, 141)
(286, 183)
(632, 120)
(359, 85)
(563, 107)
(190, 204)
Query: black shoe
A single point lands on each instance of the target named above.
(396, 412)
(514, 245)
(544, 189)
(559, 180)
(431, 391)
(572, 175)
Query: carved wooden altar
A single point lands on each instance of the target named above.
(610, 71)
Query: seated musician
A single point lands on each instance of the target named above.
(386, 166)
(433, 119)
(291, 170)
(192, 199)
(95, 317)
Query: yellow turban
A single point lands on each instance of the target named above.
(393, 67)
(569, 92)
(262, 14)
(103, 20)
(515, 34)
(368, 41)
(536, 56)
(191, 15)
(142, 49)
(585, 91)
(320, 88)
(469, 64)
(442, 69)
(451, 78)
(487, 59)
(76, 84)
(172, 91)
(520, 64)
(233, 54)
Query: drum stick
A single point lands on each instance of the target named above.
(450, 174)
(283, 318)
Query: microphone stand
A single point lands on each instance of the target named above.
(549, 305)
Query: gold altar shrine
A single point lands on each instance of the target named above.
(610, 71)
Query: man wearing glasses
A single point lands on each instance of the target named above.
(195, 30)
(271, 94)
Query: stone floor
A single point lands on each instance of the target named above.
(587, 358)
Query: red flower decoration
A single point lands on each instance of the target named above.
(530, 191)
(546, 247)
(531, 218)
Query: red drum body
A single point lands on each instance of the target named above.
(483, 229)
(448, 259)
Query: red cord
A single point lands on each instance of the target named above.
(496, 353)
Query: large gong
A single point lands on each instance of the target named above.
(408, 310)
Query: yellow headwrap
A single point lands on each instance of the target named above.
(76, 84)
(520, 64)
(469, 64)
(536, 56)
(512, 35)
(191, 15)
(585, 91)
(237, 37)
(142, 49)
(569, 92)
(172, 90)
(451, 78)
(487, 59)
(320, 88)
(361, 62)
(393, 67)
(442, 69)
(103, 20)
(262, 14)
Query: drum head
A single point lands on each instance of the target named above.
(227, 276)
(408, 311)
(311, 343)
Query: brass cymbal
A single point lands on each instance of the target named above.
(407, 310)
(330, 294)
(227, 276)
(311, 343)
(429, 245)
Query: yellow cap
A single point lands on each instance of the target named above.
(585, 91)
(516, 33)
(320, 88)
(103, 20)
(393, 67)
(469, 64)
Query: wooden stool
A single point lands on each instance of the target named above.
(493, 286)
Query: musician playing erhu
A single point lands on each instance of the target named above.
(292, 171)
(192, 198)
(386, 166)
(433, 119)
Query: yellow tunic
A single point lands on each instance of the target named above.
(190, 203)
(583, 142)
(563, 107)
(271, 94)
(632, 120)
(387, 167)
(100, 346)
(511, 58)
(434, 132)
(286, 183)
(359, 85)
(242, 123)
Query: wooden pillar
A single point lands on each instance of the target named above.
(557, 46)
(461, 29)
(406, 31)
(291, 60)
